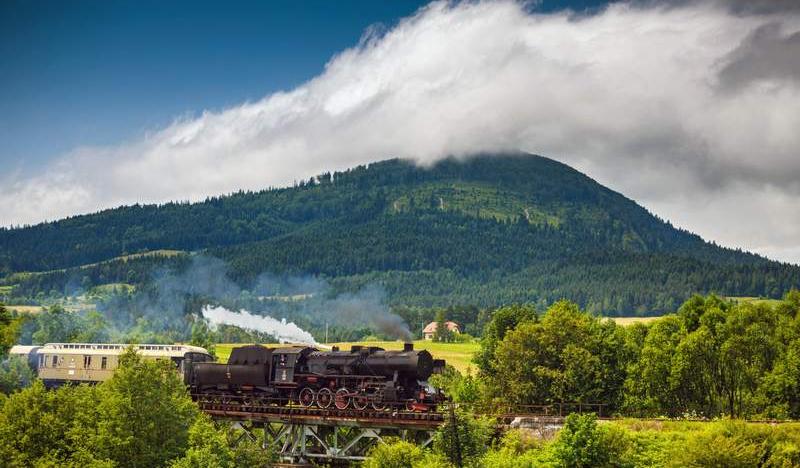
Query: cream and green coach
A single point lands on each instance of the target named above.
(60, 363)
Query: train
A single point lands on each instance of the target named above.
(359, 378)
(362, 377)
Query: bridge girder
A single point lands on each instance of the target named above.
(303, 442)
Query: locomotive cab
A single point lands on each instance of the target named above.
(288, 361)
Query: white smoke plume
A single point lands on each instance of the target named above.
(279, 329)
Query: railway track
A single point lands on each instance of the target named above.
(389, 418)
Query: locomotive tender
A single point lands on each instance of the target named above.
(361, 377)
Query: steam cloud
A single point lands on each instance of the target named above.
(367, 307)
(307, 300)
(279, 329)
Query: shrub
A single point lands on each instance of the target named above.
(393, 454)
(582, 444)
(15, 373)
(514, 451)
(467, 439)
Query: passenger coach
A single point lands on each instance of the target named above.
(60, 363)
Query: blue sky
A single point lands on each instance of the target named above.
(690, 108)
(99, 72)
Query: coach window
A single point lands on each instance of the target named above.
(103, 362)
(55, 361)
(87, 362)
(41, 360)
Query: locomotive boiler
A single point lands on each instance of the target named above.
(364, 376)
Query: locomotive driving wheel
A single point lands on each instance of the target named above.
(306, 397)
(324, 398)
(378, 401)
(360, 401)
(342, 399)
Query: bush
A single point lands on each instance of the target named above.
(462, 338)
(582, 444)
(433, 460)
(209, 446)
(738, 444)
(394, 454)
(784, 455)
(516, 452)
(468, 439)
(460, 388)
(49, 428)
(718, 450)
(15, 373)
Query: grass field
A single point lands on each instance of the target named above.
(112, 287)
(625, 321)
(19, 276)
(754, 300)
(458, 355)
(25, 309)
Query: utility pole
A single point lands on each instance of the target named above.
(326, 332)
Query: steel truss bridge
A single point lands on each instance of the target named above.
(301, 435)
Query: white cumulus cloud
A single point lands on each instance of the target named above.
(692, 110)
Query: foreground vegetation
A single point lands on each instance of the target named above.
(142, 417)
(586, 443)
(714, 360)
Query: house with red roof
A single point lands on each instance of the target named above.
(429, 332)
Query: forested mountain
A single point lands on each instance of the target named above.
(490, 230)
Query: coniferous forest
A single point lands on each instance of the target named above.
(487, 231)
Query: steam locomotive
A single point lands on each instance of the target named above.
(364, 376)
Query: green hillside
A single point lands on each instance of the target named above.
(491, 230)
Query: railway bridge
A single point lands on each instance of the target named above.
(300, 435)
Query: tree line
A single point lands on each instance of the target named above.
(712, 358)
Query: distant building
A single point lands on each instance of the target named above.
(430, 329)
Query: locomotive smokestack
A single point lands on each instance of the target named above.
(408, 346)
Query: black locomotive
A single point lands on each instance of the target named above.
(364, 376)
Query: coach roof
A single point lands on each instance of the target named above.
(175, 350)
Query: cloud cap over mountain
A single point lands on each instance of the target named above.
(690, 109)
